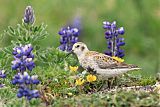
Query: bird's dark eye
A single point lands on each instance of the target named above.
(77, 46)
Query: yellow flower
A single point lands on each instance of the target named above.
(73, 69)
(70, 94)
(91, 78)
(118, 59)
(79, 81)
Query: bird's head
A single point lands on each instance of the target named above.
(79, 48)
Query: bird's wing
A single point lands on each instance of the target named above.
(91, 53)
(106, 62)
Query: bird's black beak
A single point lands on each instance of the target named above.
(71, 52)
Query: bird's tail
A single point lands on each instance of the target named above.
(129, 66)
(132, 66)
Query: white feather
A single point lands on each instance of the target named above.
(114, 72)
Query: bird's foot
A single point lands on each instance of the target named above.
(108, 84)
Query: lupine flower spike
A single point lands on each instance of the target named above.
(69, 36)
(29, 17)
(23, 60)
(114, 41)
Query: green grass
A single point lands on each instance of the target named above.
(58, 83)
(120, 98)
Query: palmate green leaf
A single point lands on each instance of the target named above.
(6, 58)
(43, 57)
(10, 31)
(2, 37)
(15, 43)
(24, 33)
(39, 33)
(5, 63)
(52, 56)
(37, 47)
(35, 29)
(7, 50)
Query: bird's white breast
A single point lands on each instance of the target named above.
(87, 62)
(114, 72)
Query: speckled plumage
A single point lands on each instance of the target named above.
(101, 63)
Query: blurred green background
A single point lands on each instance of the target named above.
(140, 18)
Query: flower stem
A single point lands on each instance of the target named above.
(25, 102)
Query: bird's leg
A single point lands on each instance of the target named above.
(111, 82)
(115, 81)
(106, 85)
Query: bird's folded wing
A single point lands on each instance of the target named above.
(106, 62)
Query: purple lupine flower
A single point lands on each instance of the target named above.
(69, 36)
(34, 79)
(77, 22)
(23, 58)
(2, 74)
(29, 17)
(2, 85)
(25, 78)
(25, 81)
(28, 93)
(114, 41)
